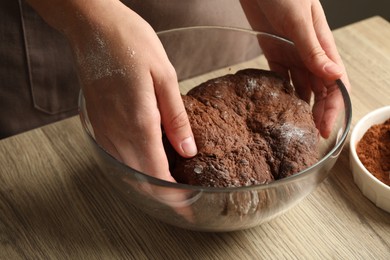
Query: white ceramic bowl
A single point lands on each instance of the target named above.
(371, 187)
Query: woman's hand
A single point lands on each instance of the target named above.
(317, 65)
(131, 90)
(130, 87)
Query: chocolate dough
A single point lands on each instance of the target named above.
(250, 128)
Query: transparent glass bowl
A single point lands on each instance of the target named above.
(199, 54)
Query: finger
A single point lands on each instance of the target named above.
(314, 53)
(327, 104)
(328, 99)
(149, 161)
(143, 150)
(301, 82)
(173, 114)
(179, 200)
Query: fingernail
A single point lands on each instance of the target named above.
(333, 68)
(189, 147)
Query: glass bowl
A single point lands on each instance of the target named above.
(199, 54)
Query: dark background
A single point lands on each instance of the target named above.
(343, 12)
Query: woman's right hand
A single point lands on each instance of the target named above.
(130, 86)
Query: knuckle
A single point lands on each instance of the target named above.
(178, 122)
(164, 79)
(314, 54)
(168, 75)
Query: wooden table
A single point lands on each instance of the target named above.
(54, 202)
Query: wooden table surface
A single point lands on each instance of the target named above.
(55, 203)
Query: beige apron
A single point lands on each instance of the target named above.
(39, 84)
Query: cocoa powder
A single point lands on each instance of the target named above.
(374, 151)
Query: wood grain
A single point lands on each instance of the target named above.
(55, 203)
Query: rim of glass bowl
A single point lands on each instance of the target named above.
(156, 181)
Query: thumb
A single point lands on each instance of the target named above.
(315, 43)
(174, 117)
(314, 56)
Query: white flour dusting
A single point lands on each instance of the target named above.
(290, 131)
(273, 94)
(251, 85)
(98, 62)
